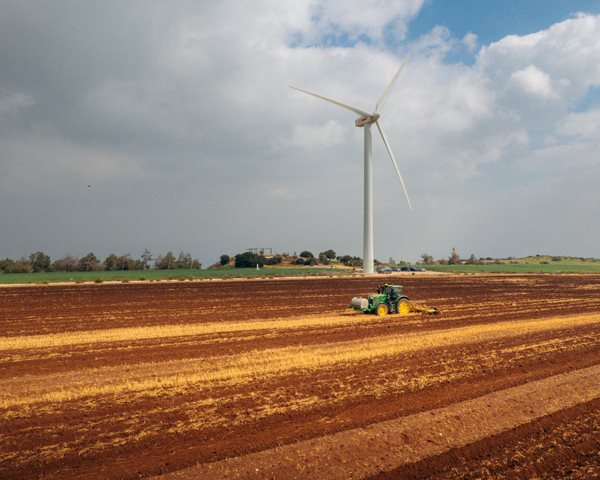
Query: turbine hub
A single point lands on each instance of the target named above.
(366, 120)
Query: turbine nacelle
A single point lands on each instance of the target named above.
(366, 120)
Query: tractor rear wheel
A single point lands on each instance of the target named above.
(381, 310)
(403, 307)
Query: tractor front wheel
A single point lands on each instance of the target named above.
(382, 309)
(403, 307)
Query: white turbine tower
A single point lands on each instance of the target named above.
(365, 120)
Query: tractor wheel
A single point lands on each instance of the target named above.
(403, 307)
(382, 309)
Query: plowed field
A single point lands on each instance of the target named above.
(277, 379)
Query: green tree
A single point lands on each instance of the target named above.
(4, 263)
(89, 263)
(249, 259)
(355, 262)
(17, 266)
(110, 262)
(40, 262)
(184, 260)
(224, 259)
(345, 259)
(426, 259)
(330, 254)
(306, 254)
(68, 263)
(274, 260)
(146, 258)
(166, 262)
(124, 262)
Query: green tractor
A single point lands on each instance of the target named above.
(388, 299)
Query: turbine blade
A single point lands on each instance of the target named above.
(387, 146)
(356, 110)
(388, 90)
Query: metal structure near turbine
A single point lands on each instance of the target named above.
(365, 120)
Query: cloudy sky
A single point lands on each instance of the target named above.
(170, 126)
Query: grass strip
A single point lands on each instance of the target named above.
(157, 275)
(558, 267)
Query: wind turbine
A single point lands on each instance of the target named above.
(365, 120)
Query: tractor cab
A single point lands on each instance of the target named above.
(390, 290)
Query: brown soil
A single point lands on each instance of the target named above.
(137, 407)
(564, 444)
(358, 453)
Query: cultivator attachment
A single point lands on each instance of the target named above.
(424, 309)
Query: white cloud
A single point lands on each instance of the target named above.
(533, 80)
(196, 98)
(585, 125)
(436, 43)
(353, 18)
(470, 41)
(568, 52)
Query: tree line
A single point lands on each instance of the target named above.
(251, 259)
(41, 262)
(455, 259)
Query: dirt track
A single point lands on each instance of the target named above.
(116, 381)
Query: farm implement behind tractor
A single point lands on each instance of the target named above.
(389, 299)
